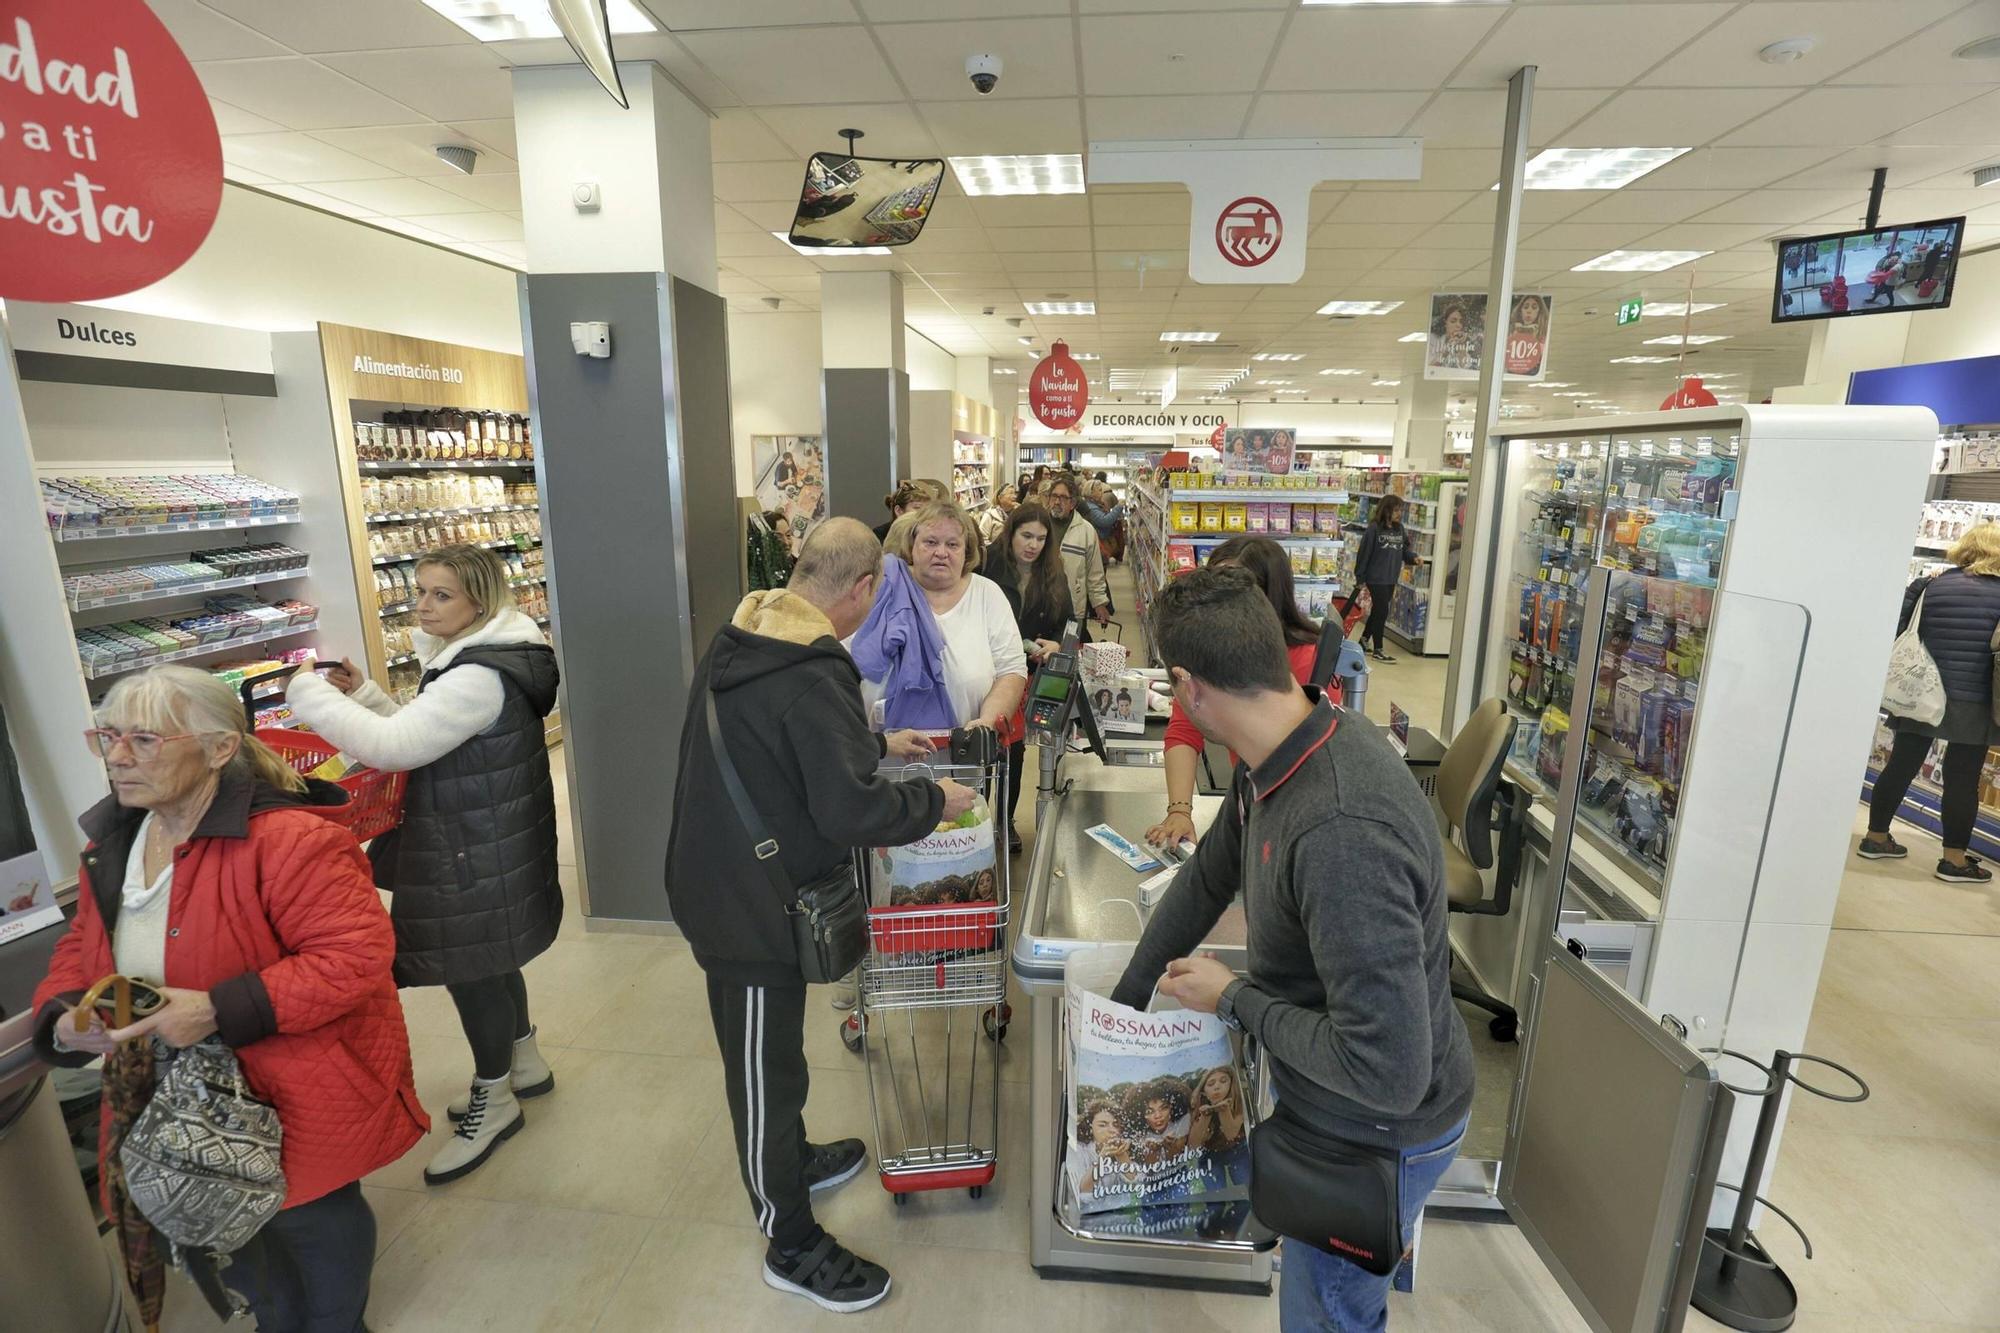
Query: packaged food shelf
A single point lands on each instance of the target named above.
(445, 465)
(414, 515)
(73, 534)
(164, 592)
(201, 650)
(521, 544)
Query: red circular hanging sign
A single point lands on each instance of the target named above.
(1248, 231)
(1215, 437)
(1057, 390)
(110, 168)
(1691, 393)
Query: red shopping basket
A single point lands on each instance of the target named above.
(957, 928)
(374, 798)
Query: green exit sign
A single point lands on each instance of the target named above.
(1628, 313)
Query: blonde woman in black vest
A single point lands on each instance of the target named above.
(473, 867)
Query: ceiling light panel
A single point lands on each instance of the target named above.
(509, 20)
(1552, 384)
(1593, 168)
(1061, 307)
(1417, 337)
(1687, 340)
(1655, 309)
(832, 251)
(1639, 261)
(1642, 360)
(1272, 384)
(1279, 356)
(1005, 370)
(1343, 370)
(1189, 337)
(1384, 384)
(1027, 173)
(1359, 307)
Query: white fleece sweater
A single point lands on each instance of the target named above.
(396, 738)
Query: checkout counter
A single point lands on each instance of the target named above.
(56, 1275)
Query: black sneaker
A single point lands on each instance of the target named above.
(830, 1164)
(827, 1274)
(1381, 656)
(1014, 843)
(1969, 873)
(1886, 850)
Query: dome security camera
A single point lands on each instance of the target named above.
(984, 71)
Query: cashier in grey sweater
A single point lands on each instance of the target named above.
(1336, 855)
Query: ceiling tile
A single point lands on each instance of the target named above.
(497, 135)
(307, 195)
(930, 57)
(1140, 210)
(892, 129)
(764, 182)
(500, 191)
(399, 196)
(1845, 32)
(481, 226)
(1361, 236)
(1213, 117)
(203, 34)
(1926, 57)
(409, 149)
(1778, 208)
(1448, 169)
(299, 94)
(695, 15)
(1971, 123)
(1647, 117)
(1584, 46)
(1043, 125)
(1705, 236)
(1730, 168)
(1412, 206)
(1333, 115)
(298, 158)
(1845, 116)
(769, 215)
(1658, 207)
(1596, 237)
(1156, 236)
(1463, 118)
(1220, 53)
(1906, 165)
(894, 11)
(736, 135)
(943, 240)
(462, 83)
(1377, 47)
(235, 120)
(1053, 210)
(778, 66)
(314, 26)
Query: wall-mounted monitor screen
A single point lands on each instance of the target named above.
(864, 202)
(1905, 267)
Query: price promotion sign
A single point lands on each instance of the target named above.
(110, 167)
(1057, 390)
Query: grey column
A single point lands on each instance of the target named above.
(867, 416)
(638, 499)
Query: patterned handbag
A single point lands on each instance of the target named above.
(1914, 689)
(202, 1160)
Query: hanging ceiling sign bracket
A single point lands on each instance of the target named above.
(1251, 197)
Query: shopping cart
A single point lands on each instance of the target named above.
(374, 798)
(931, 996)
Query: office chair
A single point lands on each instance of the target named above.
(1469, 790)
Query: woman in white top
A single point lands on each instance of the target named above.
(995, 517)
(985, 669)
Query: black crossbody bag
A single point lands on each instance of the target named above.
(1322, 1190)
(829, 916)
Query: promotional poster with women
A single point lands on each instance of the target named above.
(1158, 1110)
(1456, 341)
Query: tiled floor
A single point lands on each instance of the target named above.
(618, 1208)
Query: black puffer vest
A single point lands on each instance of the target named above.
(473, 866)
(1960, 612)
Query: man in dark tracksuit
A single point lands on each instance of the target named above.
(1336, 857)
(788, 702)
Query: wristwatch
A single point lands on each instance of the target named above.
(1225, 1004)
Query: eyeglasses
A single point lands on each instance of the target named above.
(145, 744)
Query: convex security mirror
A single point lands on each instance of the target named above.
(848, 202)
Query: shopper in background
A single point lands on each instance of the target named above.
(1029, 570)
(995, 516)
(473, 865)
(985, 670)
(1885, 279)
(1961, 612)
(1082, 560)
(1100, 506)
(907, 496)
(1378, 564)
(787, 698)
(1272, 567)
(1347, 985)
(210, 874)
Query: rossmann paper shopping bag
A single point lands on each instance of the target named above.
(939, 892)
(1156, 1099)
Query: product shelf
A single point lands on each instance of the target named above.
(523, 544)
(445, 465)
(67, 534)
(203, 650)
(468, 511)
(185, 589)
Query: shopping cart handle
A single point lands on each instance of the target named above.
(256, 696)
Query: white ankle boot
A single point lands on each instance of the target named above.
(492, 1116)
(531, 1076)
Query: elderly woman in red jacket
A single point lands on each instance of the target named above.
(210, 875)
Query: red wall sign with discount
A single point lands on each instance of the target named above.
(1057, 389)
(110, 167)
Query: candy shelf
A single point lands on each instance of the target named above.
(202, 650)
(162, 594)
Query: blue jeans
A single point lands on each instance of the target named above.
(1322, 1293)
